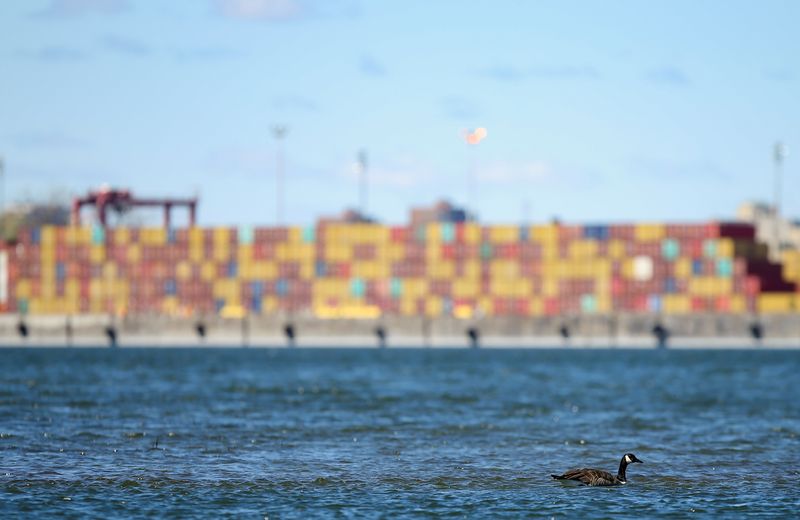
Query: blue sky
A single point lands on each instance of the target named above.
(596, 111)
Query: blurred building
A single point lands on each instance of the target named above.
(31, 215)
(779, 233)
(442, 211)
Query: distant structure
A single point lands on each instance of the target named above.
(442, 211)
(122, 200)
(30, 216)
(766, 221)
(348, 216)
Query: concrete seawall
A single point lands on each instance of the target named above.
(696, 330)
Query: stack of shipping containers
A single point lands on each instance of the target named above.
(361, 270)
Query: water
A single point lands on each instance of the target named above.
(292, 433)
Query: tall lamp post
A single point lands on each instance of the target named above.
(2, 186)
(361, 165)
(472, 138)
(781, 151)
(279, 133)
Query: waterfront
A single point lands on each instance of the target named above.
(367, 432)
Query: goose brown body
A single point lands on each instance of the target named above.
(598, 477)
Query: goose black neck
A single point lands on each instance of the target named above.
(622, 465)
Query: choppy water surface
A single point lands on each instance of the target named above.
(383, 433)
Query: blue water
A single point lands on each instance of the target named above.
(293, 433)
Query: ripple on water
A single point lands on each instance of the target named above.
(395, 433)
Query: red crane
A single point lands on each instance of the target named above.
(122, 200)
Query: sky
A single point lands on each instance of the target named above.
(595, 111)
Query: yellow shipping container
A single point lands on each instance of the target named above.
(122, 236)
(330, 288)
(265, 270)
(47, 236)
(169, 305)
(738, 303)
(78, 235)
(408, 306)
(472, 269)
(415, 287)
(222, 252)
(725, 248)
(336, 252)
(466, 288)
(109, 270)
(486, 306)
(649, 232)
(295, 235)
(550, 287)
(307, 270)
(183, 270)
(229, 289)
(676, 303)
(550, 252)
(370, 270)
(208, 271)
(95, 289)
(97, 254)
(710, 286)
(791, 265)
(603, 302)
(269, 304)
(472, 233)
(48, 289)
(463, 312)
(617, 249)
(503, 234)
(775, 303)
(504, 269)
(433, 306)
(433, 235)
(583, 249)
(441, 270)
(72, 289)
(535, 306)
(134, 253)
(244, 253)
(509, 288)
(683, 268)
(153, 236)
(395, 252)
(545, 234)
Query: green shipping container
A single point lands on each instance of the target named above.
(670, 249)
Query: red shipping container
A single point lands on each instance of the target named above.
(522, 306)
(399, 234)
(551, 306)
(622, 231)
(569, 233)
(448, 251)
(460, 233)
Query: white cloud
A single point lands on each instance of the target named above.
(261, 9)
(65, 8)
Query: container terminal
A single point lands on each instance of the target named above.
(441, 278)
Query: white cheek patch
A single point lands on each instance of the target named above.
(627, 459)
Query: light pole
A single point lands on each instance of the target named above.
(279, 133)
(472, 138)
(779, 154)
(2, 186)
(362, 181)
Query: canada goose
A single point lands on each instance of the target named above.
(597, 477)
